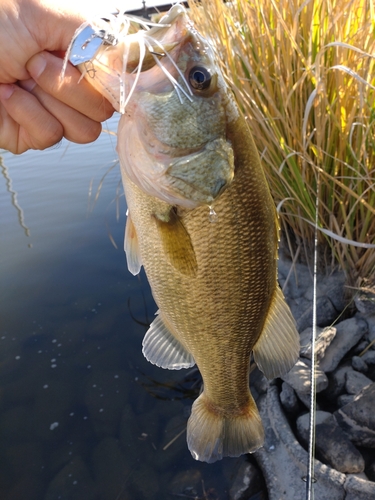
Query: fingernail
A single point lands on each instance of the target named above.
(27, 84)
(6, 91)
(36, 66)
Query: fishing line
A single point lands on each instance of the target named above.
(310, 479)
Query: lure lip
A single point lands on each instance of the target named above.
(85, 46)
(104, 50)
(89, 37)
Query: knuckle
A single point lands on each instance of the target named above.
(88, 132)
(106, 110)
(92, 132)
(51, 136)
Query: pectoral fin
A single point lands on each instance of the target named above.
(277, 348)
(177, 244)
(131, 247)
(162, 348)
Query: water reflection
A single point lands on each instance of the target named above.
(82, 414)
(13, 194)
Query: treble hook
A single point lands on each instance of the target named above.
(160, 54)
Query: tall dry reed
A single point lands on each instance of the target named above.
(304, 75)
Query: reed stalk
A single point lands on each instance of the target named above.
(303, 73)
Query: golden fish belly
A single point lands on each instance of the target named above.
(182, 143)
(219, 313)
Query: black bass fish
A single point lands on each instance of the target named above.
(187, 157)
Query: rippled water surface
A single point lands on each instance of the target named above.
(82, 414)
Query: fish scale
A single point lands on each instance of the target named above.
(230, 249)
(185, 153)
(164, 109)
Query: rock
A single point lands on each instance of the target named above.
(51, 410)
(133, 442)
(145, 483)
(27, 486)
(25, 458)
(259, 381)
(348, 333)
(334, 288)
(359, 364)
(359, 475)
(365, 300)
(324, 337)
(173, 442)
(187, 483)
(15, 425)
(369, 358)
(73, 482)
(299, 378)
(371, 471)
(357, 418)
(288, 398)
(360, 347)
(358, 489)
(306, 400)
(299, 278)
(355, 382)
(102, 322)
(246, 483)
(150, 425)
(337, 380)
(298, 307)
(105, 396)
(110, 470)
(283, 460)
(62, 454)
(345, 399)
(371, 327)
(23, 390)
(331, 443)
(325, 314)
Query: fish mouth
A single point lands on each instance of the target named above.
(123, 61)
(159, 48)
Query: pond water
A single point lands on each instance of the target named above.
(82, 414)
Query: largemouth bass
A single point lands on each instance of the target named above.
(187, 157)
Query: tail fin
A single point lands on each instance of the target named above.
(212, 435)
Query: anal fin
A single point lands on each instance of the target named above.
(162, 348)
(277, 348)
(131, 247)
(177, 244)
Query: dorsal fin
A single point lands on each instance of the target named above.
(177, 244)
(131, 247)
(162, 348)
(277, 348)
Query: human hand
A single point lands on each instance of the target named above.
(36, 108)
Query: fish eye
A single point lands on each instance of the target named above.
(200, 78)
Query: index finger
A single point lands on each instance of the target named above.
(45, 69)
